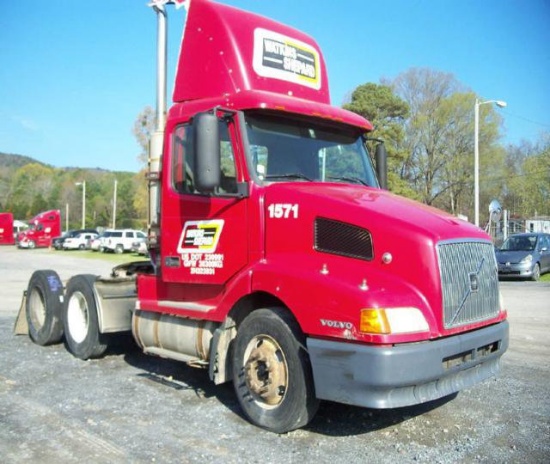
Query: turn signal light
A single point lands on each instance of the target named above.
(392, 320)
(374, 321)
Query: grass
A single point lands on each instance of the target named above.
(545, 277)
(112, 257)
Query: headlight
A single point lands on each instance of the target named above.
(392, 320)
(527, 259)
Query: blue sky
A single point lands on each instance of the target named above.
(75, 74)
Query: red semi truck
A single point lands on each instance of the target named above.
(278, 261)
(43, 228)
(6, 229)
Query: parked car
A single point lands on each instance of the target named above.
(121, 240)
(140, 247)
(524, 256)
(98, 243)
(57, 242)
(80, 242)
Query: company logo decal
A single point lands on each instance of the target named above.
(200, 236)
(197, 246)
(281, 57)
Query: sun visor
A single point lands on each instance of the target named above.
(225, 50)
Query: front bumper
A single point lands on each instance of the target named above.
(405, 374)
(515, 270)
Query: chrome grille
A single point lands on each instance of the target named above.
(469, 281)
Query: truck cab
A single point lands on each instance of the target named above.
(43, 228)
(6, 229)
(271, 218)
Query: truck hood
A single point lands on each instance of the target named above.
(512, 256)
(397, 253)
(377, 209)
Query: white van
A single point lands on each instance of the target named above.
(121, 240)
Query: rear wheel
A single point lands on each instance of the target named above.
(119, 249)
(80, 319)
(43, 307)
(272, 373)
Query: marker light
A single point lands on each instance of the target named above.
(392, 321)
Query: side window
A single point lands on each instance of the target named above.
(183, 159)
(228, 172)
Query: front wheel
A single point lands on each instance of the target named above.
(536, 272)
(80, 319)
(272, 373)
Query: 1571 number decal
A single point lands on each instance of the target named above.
(283, 211)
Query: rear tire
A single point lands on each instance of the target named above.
(272, 372)
(43, 307)
(119, 249)
(80, 319)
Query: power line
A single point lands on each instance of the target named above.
(542, 124)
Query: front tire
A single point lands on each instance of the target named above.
(80, 319)
(43, 307)
(536, 272)
(271, 371)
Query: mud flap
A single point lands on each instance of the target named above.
(21, 326)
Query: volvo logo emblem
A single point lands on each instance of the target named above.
(474, 283)
(473, 287)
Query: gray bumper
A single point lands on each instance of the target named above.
(405, 374)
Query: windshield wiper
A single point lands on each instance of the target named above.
(353, 180)
(293, 175)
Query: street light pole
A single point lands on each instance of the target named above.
(83, 183)
(500, 104)
(114, 205)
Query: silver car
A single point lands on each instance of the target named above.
(524, 256)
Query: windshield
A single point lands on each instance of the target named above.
(520, 243)
(285, 149)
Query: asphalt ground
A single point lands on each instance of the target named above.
(130, 408)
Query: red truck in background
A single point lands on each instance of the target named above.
(42, 230)
(6, 229)
(278, 260)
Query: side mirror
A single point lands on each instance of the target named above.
(206, 168)
(382, 165)
(495, 211)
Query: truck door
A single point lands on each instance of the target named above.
(204, 238)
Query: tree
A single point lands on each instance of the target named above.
(387, 112)
(29, 186)
(439, 138)
(143, 129)
(144, 126)
(126, 213)
(532, 185)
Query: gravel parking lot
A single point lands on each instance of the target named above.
(128, 407)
